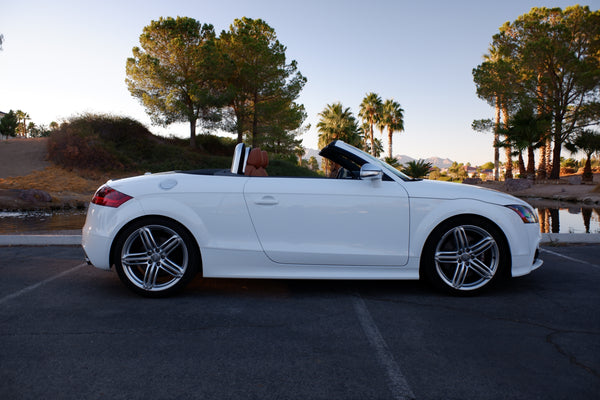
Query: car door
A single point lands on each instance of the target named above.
(322, 221)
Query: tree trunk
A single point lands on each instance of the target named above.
(240, 134)
(496, 140)
(255, 122)
(555, 174)
(522, 171)
(372, 140)
(549, 162)
(587, 176)
(530, 163)
(193, 133)
(390, 133)
(543, 161)
(508, 174)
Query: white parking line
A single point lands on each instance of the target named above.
(36, 285)
(569, 258)
(398, 385)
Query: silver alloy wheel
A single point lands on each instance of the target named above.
(154, 258)
(467, 257)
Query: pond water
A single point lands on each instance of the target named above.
(559, 217)
(555, 217)
(41, 222)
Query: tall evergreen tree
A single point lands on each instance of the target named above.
(263, 86)
(8, 124)
(174, 72)
(555, 52)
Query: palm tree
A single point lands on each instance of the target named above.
(526, 131)
(337, 122)
(22, 118)
(392, 119)
(392, 162)
(589, 142)
(417, 169)
(375, 150)
(370, 112)
(490, 77)
(300, 152)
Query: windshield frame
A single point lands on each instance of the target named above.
(373, 160)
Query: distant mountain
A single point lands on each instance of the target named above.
(312, 153)
(440, 162)
(402, 159)
(435, 161)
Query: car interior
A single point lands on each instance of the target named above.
(249, 161)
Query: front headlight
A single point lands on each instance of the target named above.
(527, 215)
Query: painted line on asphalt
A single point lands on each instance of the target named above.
(37, 285)
(570, 258)
(398, 384)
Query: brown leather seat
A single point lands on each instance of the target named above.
(257, 161)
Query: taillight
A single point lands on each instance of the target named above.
(109, 197)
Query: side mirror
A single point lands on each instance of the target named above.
(370, 172)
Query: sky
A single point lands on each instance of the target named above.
(64, 58)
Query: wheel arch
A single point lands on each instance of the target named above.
(149, 217)
(466, 216)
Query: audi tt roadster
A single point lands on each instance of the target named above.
(367, 221)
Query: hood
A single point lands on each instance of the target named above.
(448, 190)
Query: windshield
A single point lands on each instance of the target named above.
(386, 167)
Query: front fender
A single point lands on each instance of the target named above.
(427, 214)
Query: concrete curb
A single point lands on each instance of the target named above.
(75, 240)
(557, 238)
(40, 240)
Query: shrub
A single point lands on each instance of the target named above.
(107, 142)
(285, 168)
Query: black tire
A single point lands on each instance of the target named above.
(155, 257)
(465, 256)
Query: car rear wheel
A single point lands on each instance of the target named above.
(465, 256)
(155, 257)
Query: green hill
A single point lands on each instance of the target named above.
(112, 143)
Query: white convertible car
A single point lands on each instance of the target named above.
(368, 222)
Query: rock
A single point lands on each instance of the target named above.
(35, 195)
(574, 180)
(515, 185)
(472, 181)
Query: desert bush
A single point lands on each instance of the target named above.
(107, 142)
(112, 143)
(77, 151)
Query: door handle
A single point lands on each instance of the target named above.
(267, 201)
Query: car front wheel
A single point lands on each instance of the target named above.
(155, 257)
(465, 256)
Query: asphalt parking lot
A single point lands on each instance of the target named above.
(70, 331)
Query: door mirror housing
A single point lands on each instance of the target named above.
(371, 172)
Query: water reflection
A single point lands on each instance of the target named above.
(40, 222)
(557, 217)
